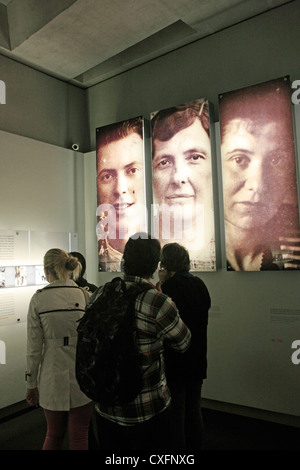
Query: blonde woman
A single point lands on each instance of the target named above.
(51, 351)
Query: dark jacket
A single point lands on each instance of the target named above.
(193, 301)
(82, 282)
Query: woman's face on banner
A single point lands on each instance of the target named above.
(258, 164)
(182, 168)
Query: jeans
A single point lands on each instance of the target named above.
(186, 413)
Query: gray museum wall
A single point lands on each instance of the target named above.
(41, 190)
(42, 107)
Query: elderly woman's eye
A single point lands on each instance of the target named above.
(163, 163)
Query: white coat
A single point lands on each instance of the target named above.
(51, 345)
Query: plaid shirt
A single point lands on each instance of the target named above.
(157, 320)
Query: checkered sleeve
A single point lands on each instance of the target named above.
(169, 323)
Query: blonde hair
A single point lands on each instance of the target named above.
(61, 265)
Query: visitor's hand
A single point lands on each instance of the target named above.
(290, 247)
(158, 286)
(162, 274)
(32, 396)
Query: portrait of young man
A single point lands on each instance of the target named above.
(121, 204)
(259, 177)
(183, 210)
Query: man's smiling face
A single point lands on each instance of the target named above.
(120, 177)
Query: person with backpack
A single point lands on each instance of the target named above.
(51, 352)
(143, 422)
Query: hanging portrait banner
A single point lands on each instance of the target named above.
(259, 177)
(121, 196)
(183, 208)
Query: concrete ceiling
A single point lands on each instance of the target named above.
(85, 42)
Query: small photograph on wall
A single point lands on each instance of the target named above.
(121, 200)
(20, 276)
(259, 178)
(183, 209)
(2, 276)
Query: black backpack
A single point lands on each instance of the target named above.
(108, 368)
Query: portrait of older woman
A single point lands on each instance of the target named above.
(259, 177)
(182, 181)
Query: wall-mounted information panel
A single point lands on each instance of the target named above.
(21, 265)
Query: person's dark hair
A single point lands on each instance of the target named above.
(141, 255)
(175, 257)
(168, 122)
(119, 130)
(81, 260)
(256, 105)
